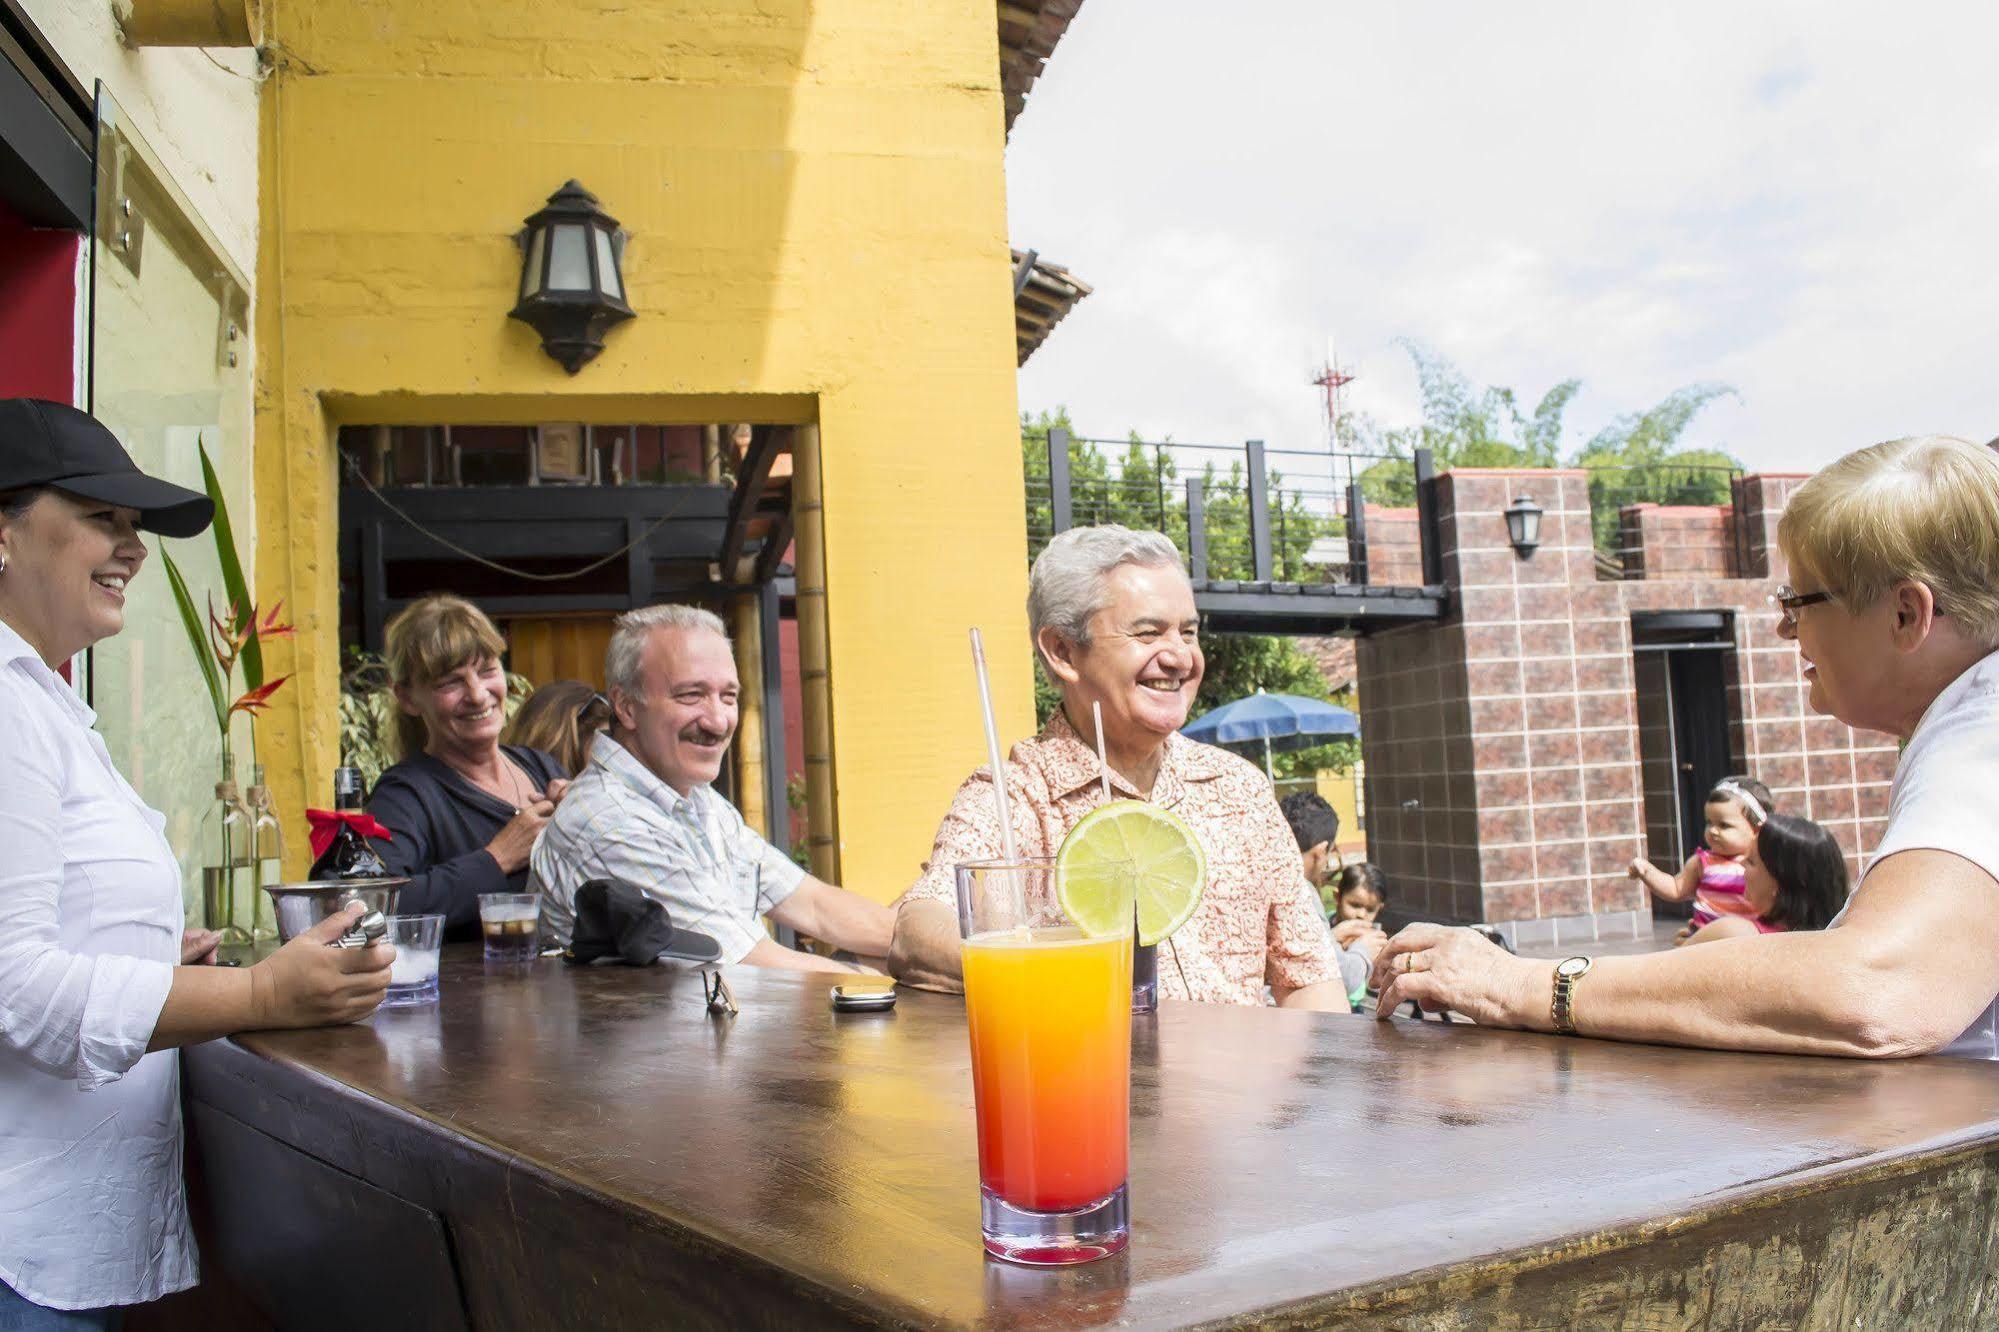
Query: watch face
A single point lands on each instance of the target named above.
(1572, 966)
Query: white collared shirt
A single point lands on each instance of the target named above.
(1943, 800)
(692, 853)
(92, 1209)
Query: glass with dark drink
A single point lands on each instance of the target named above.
(511, 924)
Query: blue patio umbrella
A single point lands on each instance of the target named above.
(1282, 721)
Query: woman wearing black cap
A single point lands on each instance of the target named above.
(94, 993)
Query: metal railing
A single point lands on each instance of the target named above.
(1238, 513)
(1634, 543)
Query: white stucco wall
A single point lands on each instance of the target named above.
(164, 383)
(200, 119)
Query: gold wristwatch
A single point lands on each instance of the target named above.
(1567, 972)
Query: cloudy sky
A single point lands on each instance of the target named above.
(1800, 200)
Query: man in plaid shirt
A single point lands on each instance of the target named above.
(643, 812)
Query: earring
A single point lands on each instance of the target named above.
(3, 561)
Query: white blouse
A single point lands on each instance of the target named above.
(92, 1208)
(1943, 799)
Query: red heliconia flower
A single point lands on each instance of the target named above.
(257, 699)
(270, 628)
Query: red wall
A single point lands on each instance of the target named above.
(37, 311)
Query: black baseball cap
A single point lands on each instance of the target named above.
(54, 444)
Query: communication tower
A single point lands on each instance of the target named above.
(1332, 381)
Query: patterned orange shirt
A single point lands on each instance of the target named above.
(1258, 923)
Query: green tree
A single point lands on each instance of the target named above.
(1462, 427)
(1635, 458)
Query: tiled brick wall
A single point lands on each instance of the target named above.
(1677, 541)
(1525, 776)
(1416, 743)
(1394, 547)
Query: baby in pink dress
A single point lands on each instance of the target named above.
(1713, 875)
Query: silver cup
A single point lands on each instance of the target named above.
(300, 906)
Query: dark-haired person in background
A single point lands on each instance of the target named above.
(1316, 827)
(1794, 878)
(96, 983)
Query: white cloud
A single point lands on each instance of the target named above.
(1799, 200)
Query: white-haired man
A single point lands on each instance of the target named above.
(1113, 618)
(643, 812)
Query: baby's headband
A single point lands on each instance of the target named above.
(1750, 804)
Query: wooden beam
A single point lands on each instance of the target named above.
(776, 538)
(752, 479)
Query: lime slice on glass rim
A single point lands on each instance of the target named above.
(1161, 851)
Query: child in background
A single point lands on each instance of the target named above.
(1358, 897)
(1794, 879)
(1736, 809)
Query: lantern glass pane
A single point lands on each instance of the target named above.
(531, 270)
(607, 265)
(569, 257)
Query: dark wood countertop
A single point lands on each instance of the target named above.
(1281, 1161)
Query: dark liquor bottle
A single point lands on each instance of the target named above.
(349, 856)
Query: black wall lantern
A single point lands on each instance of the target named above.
(1523, 525)
(571, 288)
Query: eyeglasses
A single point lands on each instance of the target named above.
(1789, 602)
(595, 701)
(715, 991)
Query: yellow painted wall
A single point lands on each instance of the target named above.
(815, 193)
(1339, 789)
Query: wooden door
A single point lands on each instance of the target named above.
(567, 647)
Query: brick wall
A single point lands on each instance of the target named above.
(1394, 547)
(1526, 778)
(1416, 748)
(1677, 541)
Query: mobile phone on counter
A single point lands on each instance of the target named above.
(873, 995)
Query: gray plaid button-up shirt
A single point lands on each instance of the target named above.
(692, 853)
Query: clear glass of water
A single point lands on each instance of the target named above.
(511, 924)
(413, 975)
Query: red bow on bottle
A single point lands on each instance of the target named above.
(326, 823)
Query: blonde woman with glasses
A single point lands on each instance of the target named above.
(1893, 554)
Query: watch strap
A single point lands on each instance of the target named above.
(1563, 1007)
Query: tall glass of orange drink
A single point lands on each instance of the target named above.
(1050, 1013)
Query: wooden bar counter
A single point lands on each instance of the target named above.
(587, 1148)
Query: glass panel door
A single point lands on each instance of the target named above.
(169, 370)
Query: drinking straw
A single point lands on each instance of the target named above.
(1104, 777)
(992, 747)
(1103, 764)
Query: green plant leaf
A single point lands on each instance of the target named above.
(197, 640)
(233, 582)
